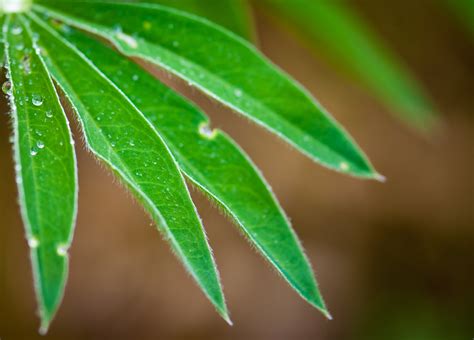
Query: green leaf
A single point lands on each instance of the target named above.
(232, 14)
(341, 35)
(45, 167)
(118, 134)
(211, 160)
(2, 46)
(226, 68)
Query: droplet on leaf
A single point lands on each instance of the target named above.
(7, 87)
(344, 166)
(37, 100)
(62, 249)
(206, 131)
(33, 242)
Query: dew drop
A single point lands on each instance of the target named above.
(40, 144)
(135, 77)
(206, 131)
(33, 242)
(131, 143)
(62, 249)
(16, 30)
(33, 152)
(25, 64)
(238, 93)
(49, 114)
(7, 87)
(129, 40)
(37, 100)
(343, 166)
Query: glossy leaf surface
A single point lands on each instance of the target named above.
(118, 134)
(339, 34)
(231, 14)
(45, 166)
(211, 160)
(223, 66)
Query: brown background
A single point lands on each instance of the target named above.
(394, 260)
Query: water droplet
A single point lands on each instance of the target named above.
(129, 40)
(206, 131)
(33, 242)
(131, 143)
(343, 166)
(40, 144)
(37, 100)
(62, 249)
(19, 46)
(16, 30)
(33, 152)
(25, 63)
(135, 77)
(49, 114)
(7, 87)
(238, 93)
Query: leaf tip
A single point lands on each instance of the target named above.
(46, 316)
(319, 305)
(228, 320)
(45, 323)
(380, 178)
(224, 313)
(326, 313)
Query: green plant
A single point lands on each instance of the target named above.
(151, 137)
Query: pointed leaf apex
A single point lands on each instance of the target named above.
(380, 178)
(45, 323)
(224, 313)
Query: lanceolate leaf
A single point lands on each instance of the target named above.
(211, 160)
(225, 67)
(118, 133)
(231, 14)
(340, 34)
(45, 167)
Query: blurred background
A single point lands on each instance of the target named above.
(393, 260)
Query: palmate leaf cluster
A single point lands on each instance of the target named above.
(150, 136)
